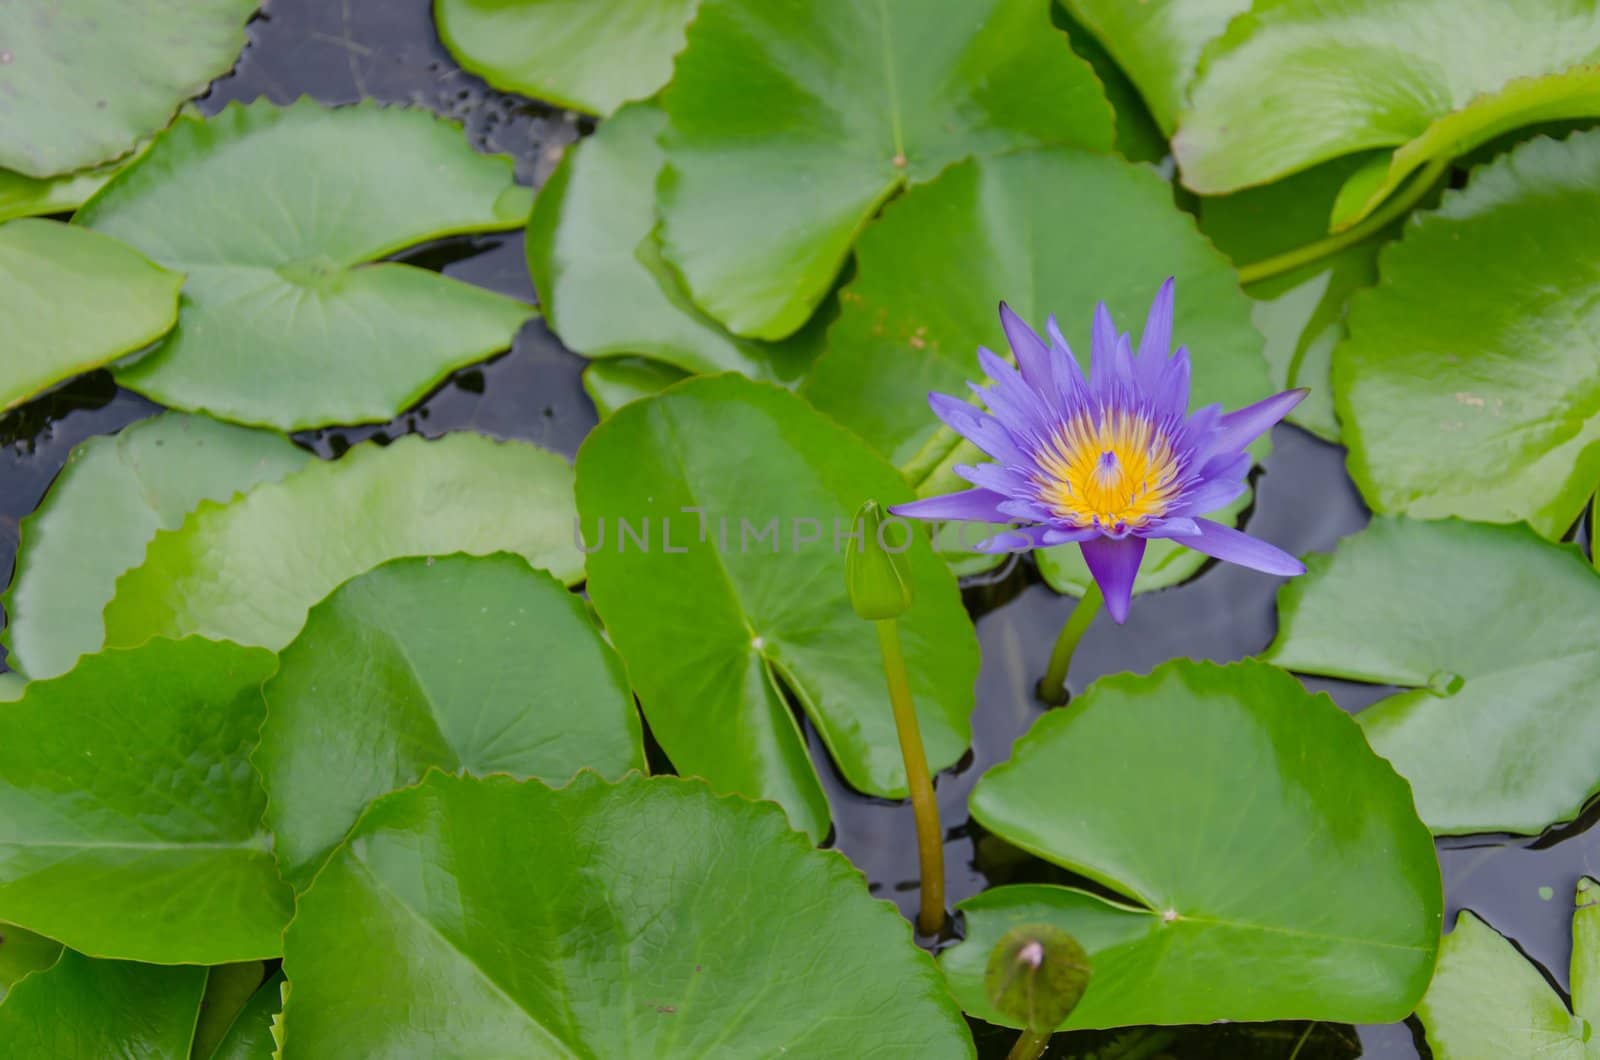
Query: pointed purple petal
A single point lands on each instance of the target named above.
(972, 506)
(1071, 387)
(1066, 535)
(1169, 394)
(1033, 356)
(1155, 343)
(995, 478)
(1212, 494)
(1239, 429)
(1114, 565)
(982, 430)
(1102, 350)
(1023, 540)
(1024, 511)
(1234, 546)
(1173, 526)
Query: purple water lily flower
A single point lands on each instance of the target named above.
(1108, 462)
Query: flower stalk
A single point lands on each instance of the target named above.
(1029, 1045)
(930, 835)
(1053, 689)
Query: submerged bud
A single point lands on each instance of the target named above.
(877, 569)
(1036, 976)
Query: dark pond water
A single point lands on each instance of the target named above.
(339, 51)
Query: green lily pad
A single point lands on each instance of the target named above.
(1158, 43)
(589, 56)
(714, 625)
(229, 988)
(1050, 232)
(22, 196)
(472, 912)
(249, 571)
(1290, 85)
(465, 663)
(22, 953)
(1489, 629)
(250, 1036)
(72, 301)
(1489, 411)
(1487, 1002)
(102, 511)
(84, 82)
(616, 381)
(605, 289)
(82, 1007)
(11, 687)
(1138, 138)
(283, 324)
(1279, 870)
(131, 817)
(839, 106)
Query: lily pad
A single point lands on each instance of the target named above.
(1050, 232)
(1490, 411)
(589, 56)
(22, 196)
(22, 953)
(72, 301)
(1488, 1002)
(472, 913)
(716, 618)
(464, 663)
(249, 571)
(250, 1035)
(1279, 872)
(283, 324)
(84, 82)
(852, 102)
(616, 381)
(82, 1007)
(605, 290)
(1489, 629)
(1290, 85)
(102, 511)
(1158, 43)
(130, 819)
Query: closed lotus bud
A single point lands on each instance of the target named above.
(877, 568)
(1036, 976)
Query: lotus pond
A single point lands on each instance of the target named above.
(489, 580)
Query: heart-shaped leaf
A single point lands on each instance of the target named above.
(1489, 628)
(1274, 865)
(1489, 411)
(724, 609)
(840, 104)
(464, 663)
(73, 300)
(249, 571)
(614, 382)
(84, 82)
(100, 514)
(1488, 1001)
(82, 1007)
(487, 917)
(1290, 85)
(1050, 232)
(130, 819)
(606, 291)
(283, 325)
(1158, 43)
(590, 56)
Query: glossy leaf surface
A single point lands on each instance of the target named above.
(83, 1007)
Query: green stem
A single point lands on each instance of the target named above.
(1053, 689)
(1390, 212)
(1030, 1046)
(930, 836)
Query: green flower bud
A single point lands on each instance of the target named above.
(1036, 976)
(877, 568)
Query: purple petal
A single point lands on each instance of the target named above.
(1033, 356)
(1239, 429)
(1114, 565)
(994, 478)
(1174, 526)
(982, 430)
(972, 506)
(1019, 406)
(1212, 494)
(1103, 350)
(1072, 388)
(1234, 546)
(1155, 343)
(1169, 394)
(1024, 511)
(1025, 539)
(1066, 535)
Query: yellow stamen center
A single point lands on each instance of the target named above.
(1118, 469)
